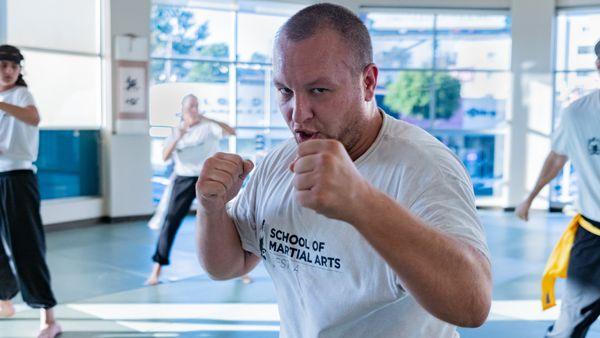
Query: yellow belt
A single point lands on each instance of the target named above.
(558, 262)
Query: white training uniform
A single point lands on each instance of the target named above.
(199, 143)
(18, 140)
(578, 137)
(330, 282)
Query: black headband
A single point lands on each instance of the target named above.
(10, 54)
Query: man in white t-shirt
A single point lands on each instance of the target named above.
(366, 224)
(578, 138)
(195, 139)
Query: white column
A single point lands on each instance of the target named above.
(531, 121)
(127, 182)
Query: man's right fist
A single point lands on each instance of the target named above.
(220, 180)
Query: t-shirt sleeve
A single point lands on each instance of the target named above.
(25, 98)
(560, 136)
(242, 211)
(216, 130)
(448, 204)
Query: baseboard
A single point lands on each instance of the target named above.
(91, 222)
(512, 209)
(83, 223)
(121, 219)
(492, 208)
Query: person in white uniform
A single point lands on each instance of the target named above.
(189, 145)
(366, 224)
(577, 138)
(21, 230)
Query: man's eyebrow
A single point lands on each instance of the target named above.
(319, 81)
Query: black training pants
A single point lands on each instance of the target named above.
(22, 233)
(182, 196)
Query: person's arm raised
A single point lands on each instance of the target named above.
(218, 243)
(27, 114)
(449, 278)
(227, 129)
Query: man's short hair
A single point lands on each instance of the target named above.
(308, 21)
(597, 49)
(187, 97)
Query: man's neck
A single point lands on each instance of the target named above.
(371, 131)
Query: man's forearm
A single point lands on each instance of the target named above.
(219, 247)
(450, 279)
(552, 166)
(170, 148)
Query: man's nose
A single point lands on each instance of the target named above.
(301, 109)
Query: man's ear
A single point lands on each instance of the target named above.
(370, 73)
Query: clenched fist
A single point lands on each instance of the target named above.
(326, 180)
(522, 210)
(220, 180)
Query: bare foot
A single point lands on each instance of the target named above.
(151, 281)
(246, 279)
(50, 331)
(6, 309)
(153, 278)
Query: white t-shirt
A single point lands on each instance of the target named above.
(330, 281)
(18, 140)
(199, 143)
(578, 137)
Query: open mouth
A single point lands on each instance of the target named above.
(302, 135)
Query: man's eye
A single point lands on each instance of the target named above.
(285, 91)
(319, 90)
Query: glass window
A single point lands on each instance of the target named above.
(576, 35)
(252, 85)
(406, 95)
(471, 100)
(473, 42)
(188, 32)
(482, 156)
(449, 74)
(251, 25)
(401, 40)
(67, 88)
(209, 81)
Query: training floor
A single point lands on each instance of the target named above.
(98, 274)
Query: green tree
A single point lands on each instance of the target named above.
(176, 31)
(211, 71)
(410, 94)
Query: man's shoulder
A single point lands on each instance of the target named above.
(412, 147)
(411, 139)
(587, 103)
